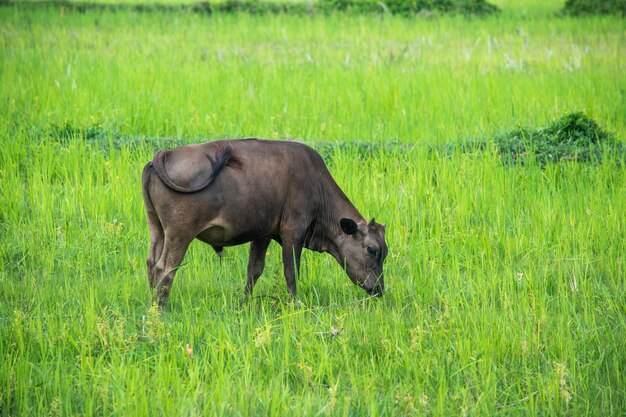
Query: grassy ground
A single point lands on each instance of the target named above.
(506, 287)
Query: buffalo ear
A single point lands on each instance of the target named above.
(348, 226)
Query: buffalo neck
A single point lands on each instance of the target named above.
(325, 234)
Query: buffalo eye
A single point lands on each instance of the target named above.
(372, 251)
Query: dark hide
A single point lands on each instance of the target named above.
(230, 192)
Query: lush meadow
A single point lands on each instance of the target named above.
(506, 283)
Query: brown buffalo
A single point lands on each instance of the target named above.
(230, 192)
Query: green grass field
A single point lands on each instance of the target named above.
(506, 284)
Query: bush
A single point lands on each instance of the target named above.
(574, 137)
(581, 7)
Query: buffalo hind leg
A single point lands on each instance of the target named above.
(156, 248)
(256, 263)
(171, 257)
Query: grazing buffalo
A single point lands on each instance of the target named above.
(230, 192)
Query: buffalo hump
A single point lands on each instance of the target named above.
(191, 168)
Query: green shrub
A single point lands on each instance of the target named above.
(409, 7)
(261, 7)
(581, 7)
(574, 137)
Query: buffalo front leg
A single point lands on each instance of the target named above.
(256, 263)
(292, 250)
(171, 256)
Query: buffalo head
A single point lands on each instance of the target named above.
(362, 252)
